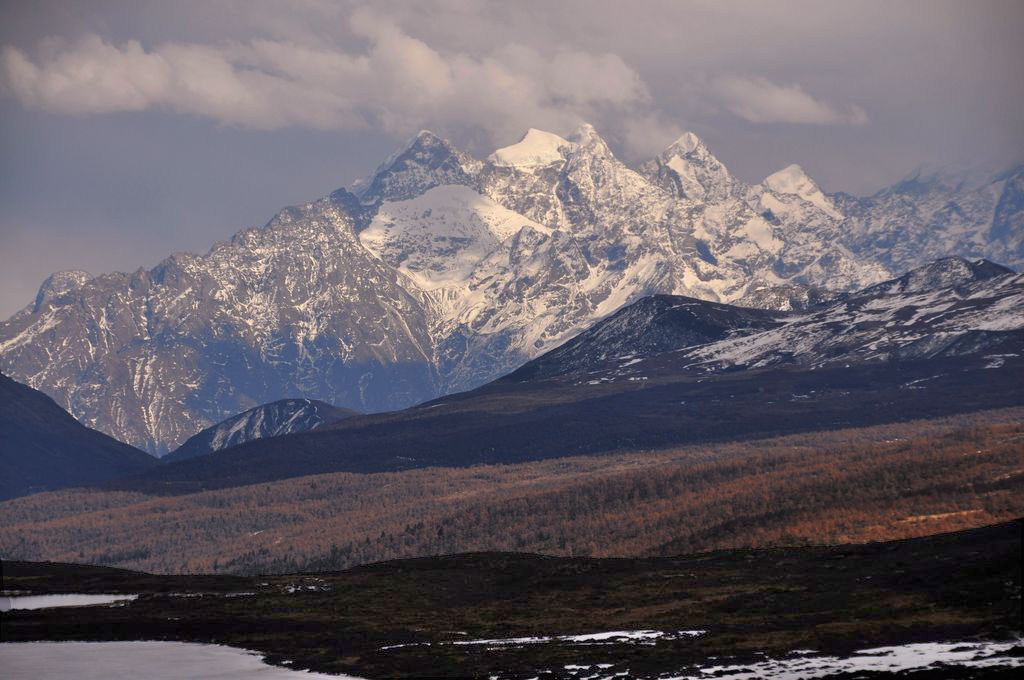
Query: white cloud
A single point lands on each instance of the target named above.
(759, 100)
(397, 83)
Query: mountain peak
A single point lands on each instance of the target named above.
(583, 130)
(688, 169)
(687, 142)
(425, 161)
(789, 179)
(793, 180)
(59, 283)
(536, 148)
(942, 273)
(424, 139)
(929, 177)
(285, 416)
(586, 137)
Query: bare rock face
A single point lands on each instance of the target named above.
(441, 272)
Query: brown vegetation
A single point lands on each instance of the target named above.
(865, 484)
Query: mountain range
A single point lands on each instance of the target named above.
(441, 272)
(668, 371)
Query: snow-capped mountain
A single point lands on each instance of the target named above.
(440, 272)
(670, 370)
(928, 216)
(951, 307)
(285, 416)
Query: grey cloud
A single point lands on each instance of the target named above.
(759, 100)
(398, 83)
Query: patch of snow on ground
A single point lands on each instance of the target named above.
(609, 637)
(881, 659)
(642, 637)
(801, 664)
(997, 360)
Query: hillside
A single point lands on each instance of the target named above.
(286, 416)
(43, 448)
(847, 485)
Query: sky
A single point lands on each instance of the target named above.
(131, 129)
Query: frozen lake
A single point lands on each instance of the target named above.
(152, 660)
(174, 660)
(47, 601)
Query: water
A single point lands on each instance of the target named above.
(150, 660)
(47, 601)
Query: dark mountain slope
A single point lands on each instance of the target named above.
(42, 447)
(516, 423)
(286, 416)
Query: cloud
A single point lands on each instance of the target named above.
(759, 100)
(396, 83)
(648, 135)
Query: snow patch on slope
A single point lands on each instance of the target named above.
(535, 148)
(437, 238)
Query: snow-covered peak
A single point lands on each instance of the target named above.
(794, 181)
(687, 142)
(537, 147)
(791, 180)
(586, 137)
(946, 179)
(422, 139)
(688, 169)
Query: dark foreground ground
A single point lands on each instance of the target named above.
(952, 587)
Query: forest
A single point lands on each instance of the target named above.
(840, 486)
